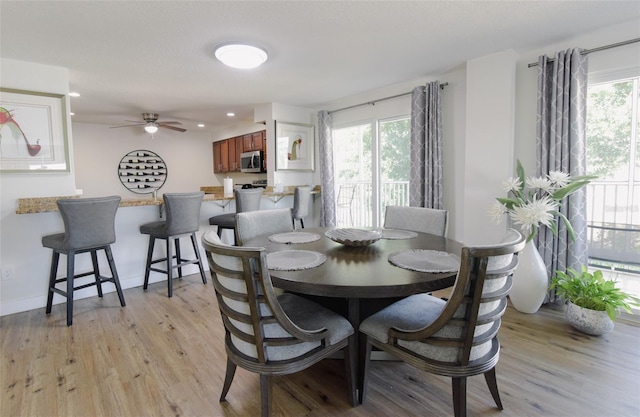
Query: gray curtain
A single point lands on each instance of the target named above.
(325, 143)
(425, 181)
(561, 146)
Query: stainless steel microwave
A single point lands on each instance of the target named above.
(252, 162)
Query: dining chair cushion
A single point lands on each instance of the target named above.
(420, 310)
(416, 312)
(305, 314)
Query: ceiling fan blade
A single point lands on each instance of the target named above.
(170, 123)
(179, 129)
(137, 124)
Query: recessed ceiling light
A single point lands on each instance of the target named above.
(74, 94)
(201, 125)
(231, 114)
(237, 55)
(72, 114)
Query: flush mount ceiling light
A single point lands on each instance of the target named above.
(238, 55)
(151, 128)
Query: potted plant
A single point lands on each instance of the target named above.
(533, 202)
(593, 303)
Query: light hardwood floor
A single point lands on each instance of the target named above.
(165, 357)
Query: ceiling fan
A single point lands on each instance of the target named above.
(151, 123)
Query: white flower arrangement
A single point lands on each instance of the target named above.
(534, 201)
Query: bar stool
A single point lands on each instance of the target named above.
(183, 219)
(89, 226)
(246, 200)
(301, 204)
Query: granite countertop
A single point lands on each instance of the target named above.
(268, 191)
(214, 193)
(48, 204)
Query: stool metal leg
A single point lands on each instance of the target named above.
(70, 275)
(169, 268)
(114, 274)
(96, 271)
(176, 242)
(194, 242)
(52, 279)
(152, 242)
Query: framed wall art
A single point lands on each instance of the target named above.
(294, 147)
(33, 132)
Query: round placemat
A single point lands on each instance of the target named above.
(294, 237)
(423, 260)
(398, 234)
(294, 260)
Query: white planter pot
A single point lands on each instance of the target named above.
(530, 281)
(588, 321)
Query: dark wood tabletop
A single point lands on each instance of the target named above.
(360, 272)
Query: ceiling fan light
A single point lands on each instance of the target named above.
(151, 128)
(237, 55)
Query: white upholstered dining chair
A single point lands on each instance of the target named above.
(252, 224)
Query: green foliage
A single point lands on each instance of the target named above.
(592, 291)
(608, 127)
(395, 145)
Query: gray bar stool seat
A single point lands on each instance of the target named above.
(246, 200)
(183, 219)
(89, 225)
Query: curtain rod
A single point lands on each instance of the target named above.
(600, 48)
(373, 102)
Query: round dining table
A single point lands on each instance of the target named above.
(359, 276)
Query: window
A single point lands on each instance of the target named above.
(371, 161)
(613, 154)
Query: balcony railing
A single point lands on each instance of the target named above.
(360, 212)
(614, 222)
(613, 216)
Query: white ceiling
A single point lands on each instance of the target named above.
(126, 58)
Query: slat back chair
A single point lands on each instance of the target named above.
(417, 219)
(456, 338)
(269, 334)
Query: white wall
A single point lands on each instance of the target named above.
(99, 149)
(488, 142)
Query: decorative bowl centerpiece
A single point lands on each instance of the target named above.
(354, 237)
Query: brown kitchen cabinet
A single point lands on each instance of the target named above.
(226, 153)
(221, 156)
(253, 141)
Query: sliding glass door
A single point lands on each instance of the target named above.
(371, 161)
